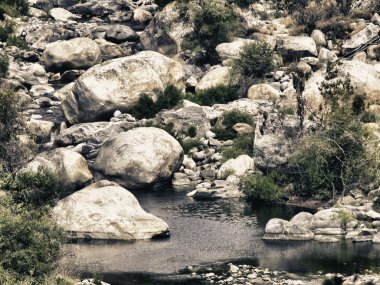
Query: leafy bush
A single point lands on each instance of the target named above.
(11, 126)
(335, 155)
(287, 111)
(215, 95)
(14, 8)
(223, 133)
(33, 189)
(230, 118)
(310, 16)
(4, 65)
(162, 3)
(5, 30)
(214, 23)
(168, 98)
(30, 243)
(17, 42)
(255, 60)
(147, 108)
(192, 132)
(265, 188)
(335, 28)
(242, 3)
(243, 144)
(290, 5)
(189, 144)
(344, 6)
(344, 216)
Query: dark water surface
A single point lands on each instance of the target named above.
(205, 232)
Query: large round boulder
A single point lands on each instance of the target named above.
(141, 157)
(78, 53)
(166, 32)
(70, 167)
(117, 85)
(238, 166)
(104, 210)
(218, 76)
(296, 47)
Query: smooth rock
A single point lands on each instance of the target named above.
(70, 168)
(263, 92)
(78, 53)
(141, 157)
(238, 166)
(117, 85)
(213, 78)
(104, 210)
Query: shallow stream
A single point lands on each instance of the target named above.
(207, 232)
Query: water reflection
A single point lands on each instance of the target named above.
(210, 231)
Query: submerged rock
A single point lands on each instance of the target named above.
(104, 210)
(278, 229)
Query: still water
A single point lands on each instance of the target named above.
(206, 232)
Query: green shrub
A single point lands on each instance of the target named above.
(242, 3)
(223, 133)
(243, 144)
(335, 28)
(215, 95)
(344, 216)
(192, 131)
(29, 243)
(147, 108)
(13, 153)
(169, 98)
(14, 8)
(214, 23)
(189, 144)
(290, 5)
(263, 188)
(287, 111)
(254, 61)
(358, 104)
(368, 117)
(162, 3)
(5, 31)
(230, 118)
(334, 156)
(345, 6)
(4, 65)
(33, 189)
(17, 42)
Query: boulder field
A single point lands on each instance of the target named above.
(87, 65)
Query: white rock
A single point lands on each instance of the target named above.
(141, 157)
(362, 37)
(263, 92)
(60, 14)
(104, 210)
(118, 83)
(77, 53)
(70, 167)
(238, 166)
(215, 77)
